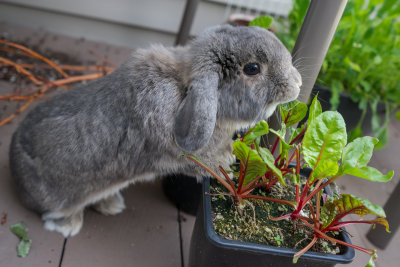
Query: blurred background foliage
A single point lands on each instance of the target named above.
(363, 60)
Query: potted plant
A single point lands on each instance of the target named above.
(263, 190)
(362, 64)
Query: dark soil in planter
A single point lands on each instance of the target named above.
(254, 224)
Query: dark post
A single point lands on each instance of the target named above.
(187, 21)
(314, 39)
(315, 36)
(379, 237)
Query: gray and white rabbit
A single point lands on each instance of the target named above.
(83, 146)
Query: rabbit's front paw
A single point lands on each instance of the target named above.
(67, 226)
(111, 205)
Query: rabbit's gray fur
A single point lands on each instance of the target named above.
(83, 146)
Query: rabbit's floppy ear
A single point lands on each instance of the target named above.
(195, 120)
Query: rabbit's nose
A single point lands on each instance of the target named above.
(297, 77)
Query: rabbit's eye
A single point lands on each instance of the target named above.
(251, 69)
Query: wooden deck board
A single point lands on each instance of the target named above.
(145, 234)
(187, 224)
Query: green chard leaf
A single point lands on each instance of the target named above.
(325, 138)
(358, 153)
(369, 173)
(285, 107)
(335, 209)
(256, 167)
(25, 243)
(356, 156)
(284, 147)
(315, 109)
(270, 161)
(190, 157)
(293, 112)
(280, 133)
(324, 169)
(293, 133)
(381, 221)
(253, 133)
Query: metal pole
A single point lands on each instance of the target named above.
(315, 36)
(379, 237)
(187, 21)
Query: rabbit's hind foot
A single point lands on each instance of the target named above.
(67, 226)
(111, 205)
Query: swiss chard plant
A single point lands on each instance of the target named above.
(256, 165)
(363, 59)
(320, 143)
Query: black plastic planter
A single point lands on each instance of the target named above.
(347, 108)
(209, 249)
(184, 191)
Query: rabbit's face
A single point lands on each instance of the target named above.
(235, 74)
(256, 73)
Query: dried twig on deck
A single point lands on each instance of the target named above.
(36, 55)
(70, 67)
(20, 70)
(44, 85)
(12, 116)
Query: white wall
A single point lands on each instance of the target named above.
(81, 27)
(131, 23)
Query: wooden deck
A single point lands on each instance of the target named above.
(147, 233)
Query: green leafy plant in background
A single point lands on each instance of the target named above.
(262, 22)
(290, 28)
(363, 59)
(320, 144)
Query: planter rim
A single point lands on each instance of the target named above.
(346, 257)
